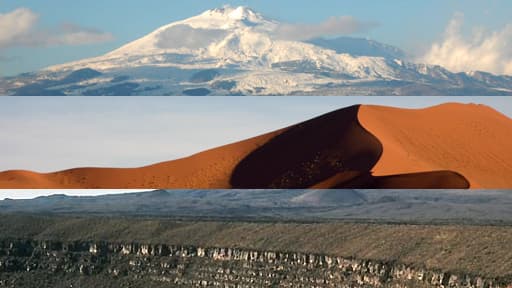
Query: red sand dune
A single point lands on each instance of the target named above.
(473, 140)
(447, 146)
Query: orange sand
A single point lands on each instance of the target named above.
(473, 140)
(208, 170)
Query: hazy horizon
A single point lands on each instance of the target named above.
(19, 194)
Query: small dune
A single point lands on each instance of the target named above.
(450, 146)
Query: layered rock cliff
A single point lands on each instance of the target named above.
(107, 264)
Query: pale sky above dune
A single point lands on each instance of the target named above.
(54, 133)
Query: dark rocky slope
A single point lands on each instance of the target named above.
(26, 263)
(126, 252)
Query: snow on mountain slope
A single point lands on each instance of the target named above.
(228, 36)
(236, 51)
(359, 47)
(194, 35)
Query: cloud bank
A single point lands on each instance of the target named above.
(184, 36)
(333, 26)
(19, 28)
(484, 51)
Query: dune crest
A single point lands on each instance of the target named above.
(446, 146)
(310, 152)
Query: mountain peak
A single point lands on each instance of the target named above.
(234, 13)
(241, 13)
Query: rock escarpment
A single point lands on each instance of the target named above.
(35, 263)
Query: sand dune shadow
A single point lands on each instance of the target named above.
(330, 151)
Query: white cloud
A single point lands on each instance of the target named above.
(16, 25)
(185, 36)
(19, 28)
(484, 51)
(72, 34)
(333, 26)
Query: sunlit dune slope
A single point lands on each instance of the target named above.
(473, 140)
(209, 169)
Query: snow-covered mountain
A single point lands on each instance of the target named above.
(236, 51)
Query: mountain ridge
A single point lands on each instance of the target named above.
(251, 58)
(403, 206)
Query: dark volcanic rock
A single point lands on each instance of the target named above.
(79, 76)
(47, 87)
(204, 76)
(122, 89)
(224, 85)
(197, 92)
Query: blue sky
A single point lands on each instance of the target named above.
(412, 25)
(53, 133)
